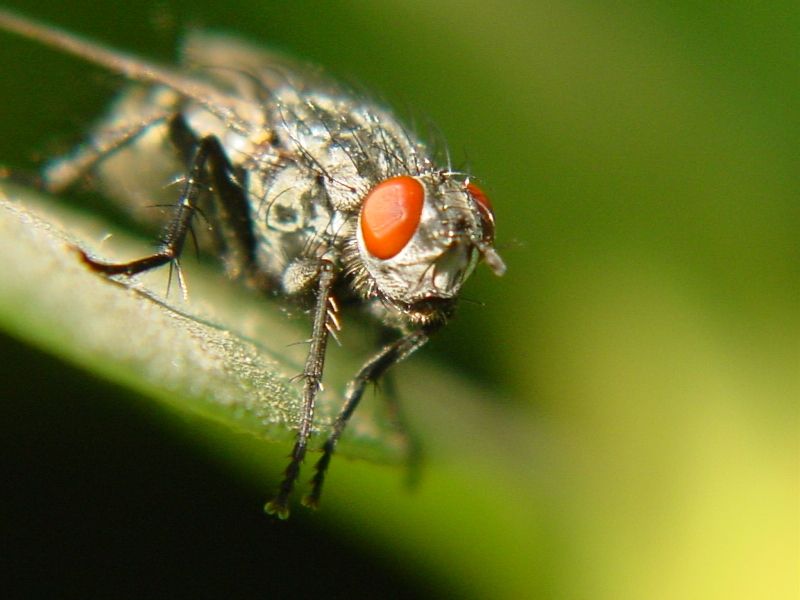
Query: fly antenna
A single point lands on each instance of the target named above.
(492, 259)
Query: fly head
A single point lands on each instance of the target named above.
(420, 237)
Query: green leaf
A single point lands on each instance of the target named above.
(231, 356)
(217, 351)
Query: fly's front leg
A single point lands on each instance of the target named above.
(312, 373)
(371, 371)
(208, 168)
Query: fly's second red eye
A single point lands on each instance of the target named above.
(390, 215)
(485, 207)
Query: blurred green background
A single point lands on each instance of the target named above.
(644, 346)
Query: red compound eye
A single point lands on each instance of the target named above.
(480, 197)
(391, 214)
(485, 206)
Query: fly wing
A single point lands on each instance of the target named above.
(245, 69)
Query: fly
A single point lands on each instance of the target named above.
(315, 194)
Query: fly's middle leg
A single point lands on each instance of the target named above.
(209, 171)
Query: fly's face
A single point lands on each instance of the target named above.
(419, 238)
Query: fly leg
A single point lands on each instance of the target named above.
(63, 173)
(414, 451)
(209, 168)
(233, 227)
(372, 370)
(312, 373)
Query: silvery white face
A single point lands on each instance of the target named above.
(420, 237)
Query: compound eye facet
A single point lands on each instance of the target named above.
(485, 208)
(390, 215)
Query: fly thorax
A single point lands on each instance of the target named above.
(290, 215)
(347, 144)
